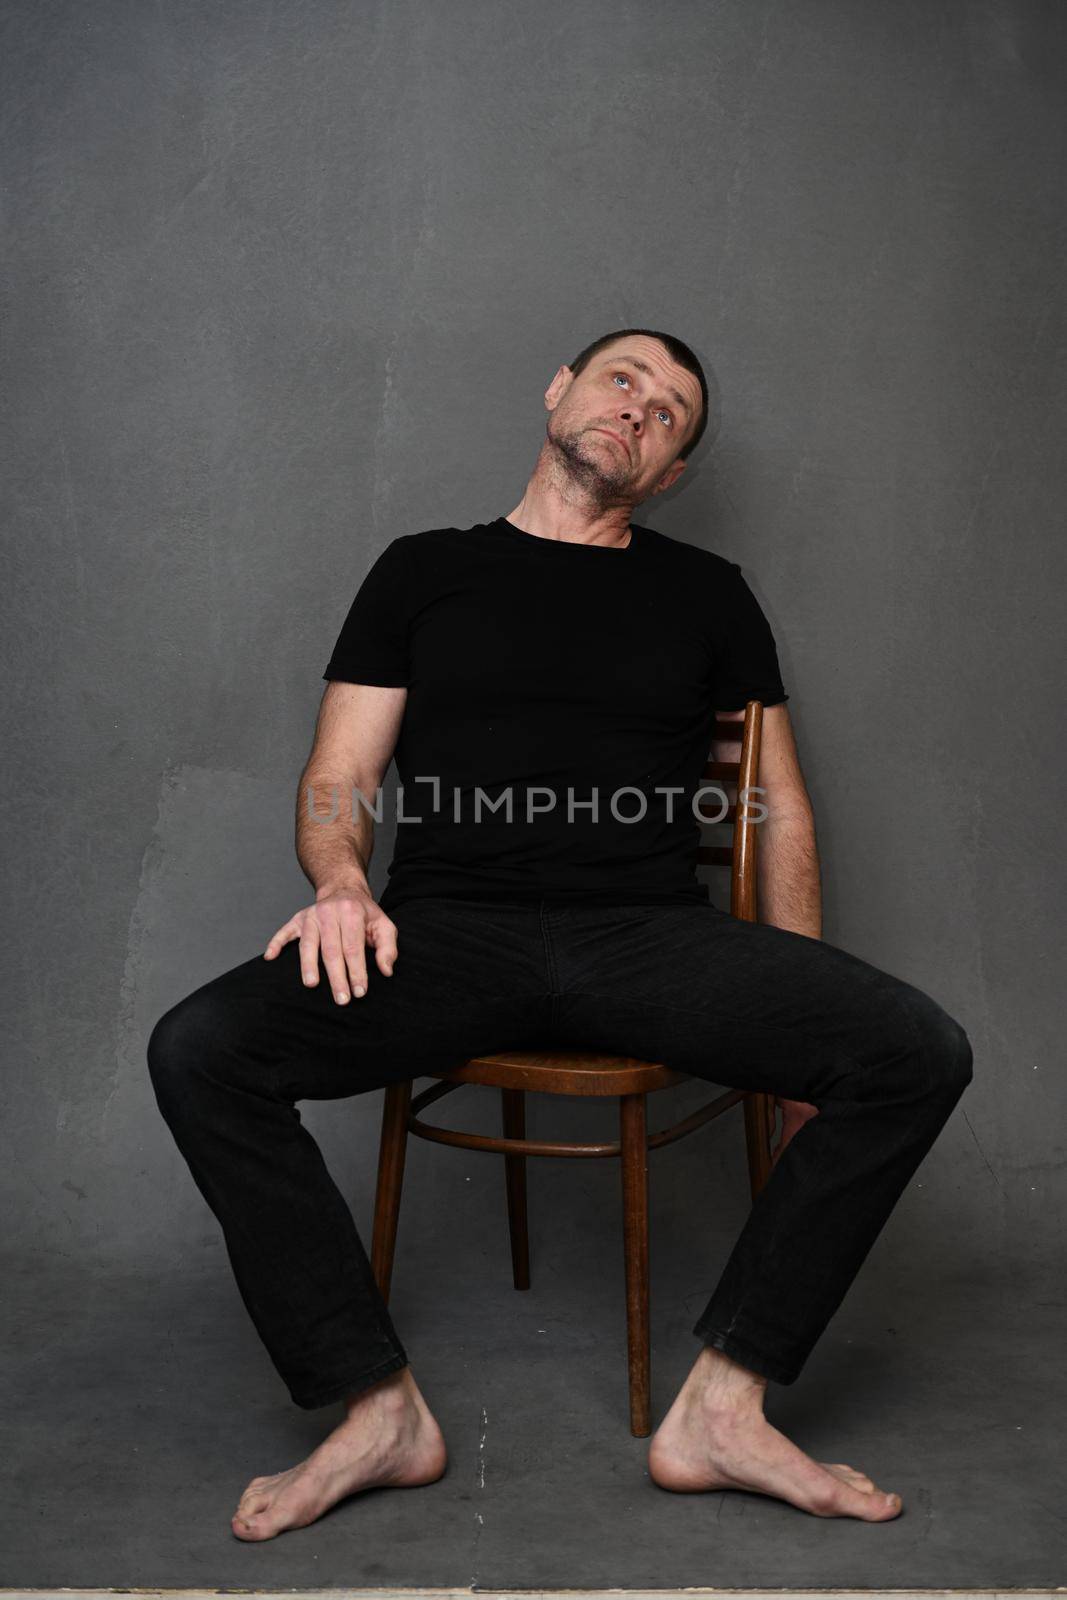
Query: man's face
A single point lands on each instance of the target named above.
(633, 390)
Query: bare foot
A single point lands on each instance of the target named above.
(389, 1437)
(794, 1115)
(715, 1436)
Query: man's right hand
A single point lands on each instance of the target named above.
(340, 925)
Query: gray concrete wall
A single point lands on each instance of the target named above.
(285, 281)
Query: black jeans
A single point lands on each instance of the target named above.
(744, 1005)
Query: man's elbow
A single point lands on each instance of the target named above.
(340, 783)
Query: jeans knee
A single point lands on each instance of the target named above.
(176, 1046)
(949, 1054)
(941, 1061)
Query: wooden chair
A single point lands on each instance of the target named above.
(563, 1072)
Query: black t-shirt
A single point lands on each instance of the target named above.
(572, 685)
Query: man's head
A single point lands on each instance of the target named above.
(649, 390)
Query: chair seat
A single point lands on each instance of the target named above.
(571, 1072)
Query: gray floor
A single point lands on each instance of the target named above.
(141, 1402)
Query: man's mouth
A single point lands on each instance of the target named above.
(614, 436)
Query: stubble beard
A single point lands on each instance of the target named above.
(586, 466)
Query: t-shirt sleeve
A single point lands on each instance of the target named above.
(372, 646)
(747, 659)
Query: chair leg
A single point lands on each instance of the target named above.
(759, 1127)
(513, 1107)
(391, 1152)
(633, 1137)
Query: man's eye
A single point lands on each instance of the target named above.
(661, 412)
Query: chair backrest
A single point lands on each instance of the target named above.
(742, 776)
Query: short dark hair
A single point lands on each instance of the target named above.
(678, 352)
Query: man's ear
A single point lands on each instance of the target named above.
(672, 474)
(558, 387)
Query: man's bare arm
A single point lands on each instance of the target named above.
(790, 894)
(787, 858)
(355, 736)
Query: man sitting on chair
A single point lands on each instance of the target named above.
(548, 681)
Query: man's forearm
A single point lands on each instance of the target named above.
(790, 893)
(334, 833)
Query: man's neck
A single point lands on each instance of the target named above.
(547, 515)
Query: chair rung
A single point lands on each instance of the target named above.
(507, 1147)
(551, 1147)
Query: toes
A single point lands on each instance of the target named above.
(247, 1521)
(878, 1506)
(861, 1498)
(251, 1502)
(850, 1475)
(248, 1528)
